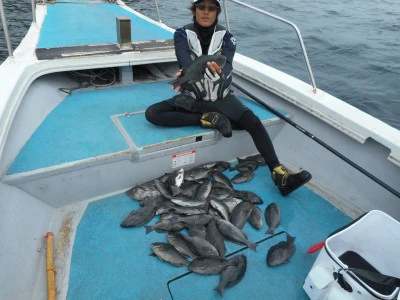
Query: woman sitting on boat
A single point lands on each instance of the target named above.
(210, 102)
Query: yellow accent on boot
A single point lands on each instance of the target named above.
(206, 123)
(279, 175)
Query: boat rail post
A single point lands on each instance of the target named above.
(226, 16)
(33, 11)
(124, 38)
(5, 28)
(158, 11)
(310, 73)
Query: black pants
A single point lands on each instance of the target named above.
(166, 113)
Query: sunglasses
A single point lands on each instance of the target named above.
(203, 7)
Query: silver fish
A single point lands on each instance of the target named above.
(195, 71)
(168, 253)
(209, 265)
(240, 214)
(221, 207)
(231, 202)
(234, 234)
(232, 274)
(281, 252)
(272, 217)
(175, 180)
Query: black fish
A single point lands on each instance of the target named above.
(257, 158)
(216, 238)
(179, 243)
(255, 218)
(248, 196)
(222, 178)
(241, 213)
(209, 265)
(234, 234)
(281, 252)
(272, 217)
(195, 71)
(168, 253)
(232, 274)
(140, 216)
(242, 176)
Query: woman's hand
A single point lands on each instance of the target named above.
(213, 81)
(178, 74)
(213, 67)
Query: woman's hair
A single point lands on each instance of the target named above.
(192, 8)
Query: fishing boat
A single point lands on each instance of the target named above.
(74, 140)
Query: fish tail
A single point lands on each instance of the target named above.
(252, 246)
(290, 239)
(270, 231)
(148, 229)
(221, 289)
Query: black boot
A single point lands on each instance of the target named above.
(218, 122)
(286, 182)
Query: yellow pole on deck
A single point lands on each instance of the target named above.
(51, 289)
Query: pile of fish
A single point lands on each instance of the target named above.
(203, 201)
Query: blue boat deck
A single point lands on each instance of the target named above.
(106, 121)
(110, 262)
(65, 35)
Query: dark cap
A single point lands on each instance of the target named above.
(217, 1)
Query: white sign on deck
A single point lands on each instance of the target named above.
(184, 158)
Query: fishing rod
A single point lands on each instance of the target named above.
(323, 144)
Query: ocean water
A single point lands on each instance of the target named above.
(353, 46)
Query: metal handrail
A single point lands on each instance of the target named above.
(310, 73)
(33, 11)
(5, 28)
(158, 11)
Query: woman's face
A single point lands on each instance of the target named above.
(206, 13)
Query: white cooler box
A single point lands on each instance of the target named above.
(372, 243)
